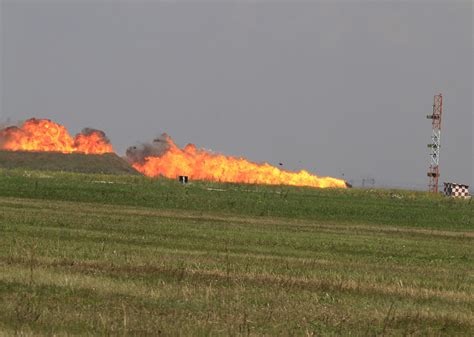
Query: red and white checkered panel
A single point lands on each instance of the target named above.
(456, 191)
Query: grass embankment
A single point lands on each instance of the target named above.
(108, 163)
(92, 254)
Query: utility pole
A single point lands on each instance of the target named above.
(433, 172)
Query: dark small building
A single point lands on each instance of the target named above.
(183, 179)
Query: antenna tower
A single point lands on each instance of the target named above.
(433, 172)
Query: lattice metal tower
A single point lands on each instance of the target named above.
(435, 145)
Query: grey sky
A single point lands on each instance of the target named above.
(333, 87)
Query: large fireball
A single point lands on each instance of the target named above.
(43, 135)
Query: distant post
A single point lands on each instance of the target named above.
(435, 145)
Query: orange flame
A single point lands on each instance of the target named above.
(200, 164)
(44, 135)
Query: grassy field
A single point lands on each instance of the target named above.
(131, 256)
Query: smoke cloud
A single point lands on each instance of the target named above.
(159, 146)
(92, 131)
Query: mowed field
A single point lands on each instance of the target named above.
(131, 256)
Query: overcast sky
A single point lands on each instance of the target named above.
(333, 87)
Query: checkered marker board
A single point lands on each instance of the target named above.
(456, 190)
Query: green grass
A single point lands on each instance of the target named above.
(125, 255)
(108, 163)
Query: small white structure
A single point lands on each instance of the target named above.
(456, 190)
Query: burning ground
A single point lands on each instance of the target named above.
(163, 157)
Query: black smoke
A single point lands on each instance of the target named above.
(90, 131)
(138, 153)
